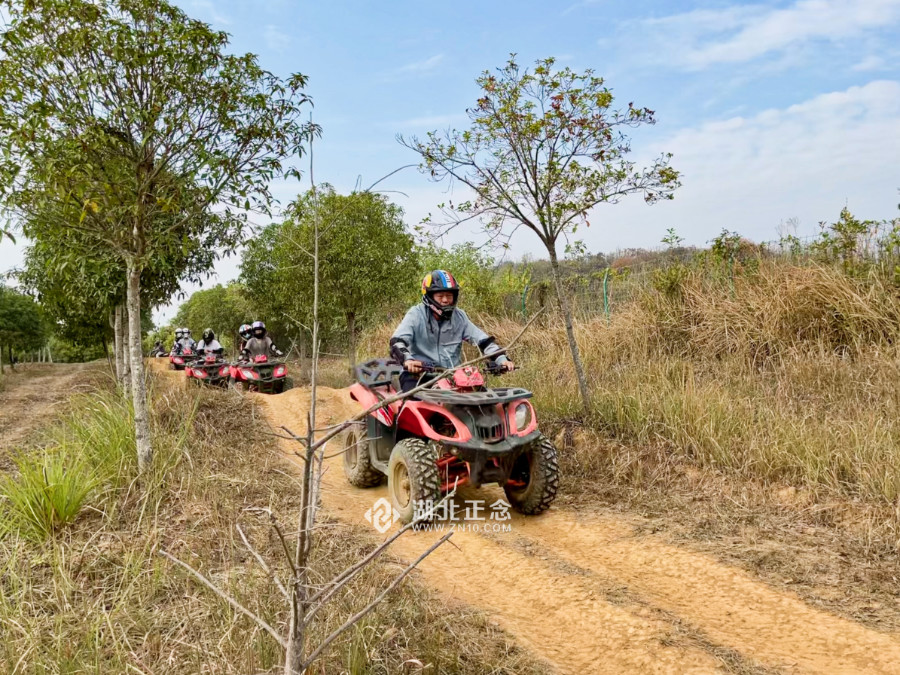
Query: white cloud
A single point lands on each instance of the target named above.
(208, 9)
(737, 34)
(431, 122)
(871, 62)
(277, 40)
(578, 5)
(422, 66)
(747, 174)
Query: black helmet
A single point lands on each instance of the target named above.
(258, 329)
(439, 281)
(208, 335)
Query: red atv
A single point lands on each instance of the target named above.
(211, 370)
(179, 361)
(260, 374)
(458, 432)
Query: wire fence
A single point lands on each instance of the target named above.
(607, 291)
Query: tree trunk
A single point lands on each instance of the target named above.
(303, 356)
(49, 354)
(136, 363)
(12, 363)
(126, 356)
(1, 360)
(351, 338)
(570, 331)
(118, 343)
(107, 355)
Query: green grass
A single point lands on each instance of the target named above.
(94, 596)
(47, 492)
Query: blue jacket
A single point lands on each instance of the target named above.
(422, 337)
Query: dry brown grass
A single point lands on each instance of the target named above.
(760, 423)
(96, 597)
(774, 311)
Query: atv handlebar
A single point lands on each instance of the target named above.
(490, 367)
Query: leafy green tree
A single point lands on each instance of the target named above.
(484, 285)
(367, 261)
(222, 308)
(133, 112)
(22, 326)
(543, 148)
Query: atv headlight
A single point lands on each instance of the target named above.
(523, 416)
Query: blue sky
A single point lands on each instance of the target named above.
(773, 110)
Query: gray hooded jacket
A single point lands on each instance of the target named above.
(422, 337)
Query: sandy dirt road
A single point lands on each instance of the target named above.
(30, 394)
(591, 593)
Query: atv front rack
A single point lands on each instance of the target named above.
(487, 397)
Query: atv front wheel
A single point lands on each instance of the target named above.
(413, 477)
(534, 478)
(357, 462)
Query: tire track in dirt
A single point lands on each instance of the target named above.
(29, 394)
(556, 597)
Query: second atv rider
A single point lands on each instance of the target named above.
(209, 345)
(259, 343)
(435, 330)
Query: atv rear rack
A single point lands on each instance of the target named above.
(487, 397)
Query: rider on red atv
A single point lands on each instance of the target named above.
(434, 331)
(209, 345)
(259, 343)
(459, 432)
(246, 332)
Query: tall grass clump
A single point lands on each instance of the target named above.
(46, 493)
(769, 371)
(89, 458)
(87, 454)
(98, 426)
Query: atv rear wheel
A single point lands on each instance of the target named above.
(534, 478)
(413, 477)
(357, 462)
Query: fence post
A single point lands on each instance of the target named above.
(731, 274)
(524, 297)
(606, 295)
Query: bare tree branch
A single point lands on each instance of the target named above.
(227, 598)
(368, 608)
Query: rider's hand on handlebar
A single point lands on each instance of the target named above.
(508, 366)
(412, 366)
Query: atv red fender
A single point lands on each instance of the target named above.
(418, 418)
(511, 418)
(367, 398)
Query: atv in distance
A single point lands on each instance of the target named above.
(458, 432)
(178, 361)
(212, 370)
(260, 374)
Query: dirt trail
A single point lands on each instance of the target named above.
(28, 395)
(590, 594)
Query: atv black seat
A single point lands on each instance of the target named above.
(487, 397)
(377, 372)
